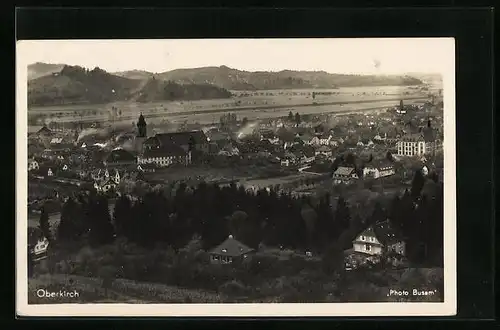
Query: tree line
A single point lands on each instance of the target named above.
(263, 217)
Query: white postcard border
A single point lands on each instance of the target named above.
(446, 308)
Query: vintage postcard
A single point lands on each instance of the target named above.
(236, 177)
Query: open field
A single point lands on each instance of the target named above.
(255, 98)
(213, 115)
(270, 103)
(208, 174)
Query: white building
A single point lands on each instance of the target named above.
(378, 171)
(419, 144)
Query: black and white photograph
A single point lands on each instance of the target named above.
(236, 177)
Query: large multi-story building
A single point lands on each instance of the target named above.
(173, 148)
(425, 142)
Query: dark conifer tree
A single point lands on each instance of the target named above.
(378, 215)
(417, 184)
(388, 156)
(101, 228)
(297, 118)
(395, 215)
(68, 228)
(122, 217)
(342, 216)
(325, 228)
(44, 225)
(31, 265)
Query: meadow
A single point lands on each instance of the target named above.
(242, 102)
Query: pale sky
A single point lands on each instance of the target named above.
(395, 55)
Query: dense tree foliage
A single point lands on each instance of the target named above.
(44, 224)
(262, 217)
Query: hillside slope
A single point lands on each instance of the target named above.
(159, 90)
(37, 70)
(78, 85)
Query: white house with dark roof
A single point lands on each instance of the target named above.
(33, 165)
(378, 170)
(38, 244)
(375, 242)
(230, 251)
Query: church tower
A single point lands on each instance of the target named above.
(141, 127)
(141, 134)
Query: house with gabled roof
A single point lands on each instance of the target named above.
(230, 251)
(44, 131)
(378, 241)
(324, 151)
(33, 165)
(344, 174)
(37, 244)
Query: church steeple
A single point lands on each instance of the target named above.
(141, 127)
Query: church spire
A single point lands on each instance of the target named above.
(141, 126)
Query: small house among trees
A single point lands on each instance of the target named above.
(229, 251)
(374, 244)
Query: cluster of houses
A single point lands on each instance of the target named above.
(276, 141)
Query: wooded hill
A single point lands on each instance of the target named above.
(77, 85)
(234, 79)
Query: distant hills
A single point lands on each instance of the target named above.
(233, 79)
(77, 85)
(50, 84)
